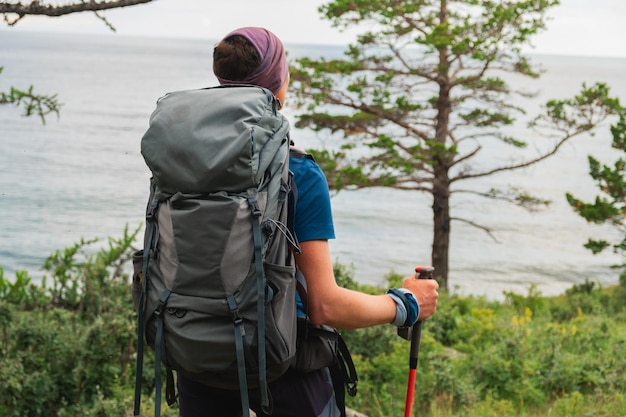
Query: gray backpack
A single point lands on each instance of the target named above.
(215, 284)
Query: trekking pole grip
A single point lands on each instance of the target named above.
(424, 272)
(421, 272)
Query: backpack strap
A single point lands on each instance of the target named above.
(260, 279)
(238, 322)
(170, 387)
(343, 375)
(299, 153)
(141, 309)
(292, 200)
(342, 371)
(241, 361)
(159, 351)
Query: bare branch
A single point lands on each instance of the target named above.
(478, 226)
(513, 195)
(106, 22)
(527, 163)
(39, 8)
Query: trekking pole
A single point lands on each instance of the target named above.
(414, 334)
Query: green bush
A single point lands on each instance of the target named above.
(483, 358)
(68, 345)
(67, 348)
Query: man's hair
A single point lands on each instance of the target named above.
(234, 58)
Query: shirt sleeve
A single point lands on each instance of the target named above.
(313, 215)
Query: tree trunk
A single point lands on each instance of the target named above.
(441, 226)
(442, 160)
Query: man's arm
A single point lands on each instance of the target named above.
(339, 307)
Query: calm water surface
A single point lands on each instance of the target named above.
(82, 175)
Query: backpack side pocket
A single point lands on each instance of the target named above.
(317, 346)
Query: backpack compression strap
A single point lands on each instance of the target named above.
(151, 223)
(260, 279)
(238, 321)
(159, 351)
(241, 361)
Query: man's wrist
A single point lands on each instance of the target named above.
(407, 307)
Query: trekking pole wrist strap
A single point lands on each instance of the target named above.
(407, 308)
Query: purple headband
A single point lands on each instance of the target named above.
(273, 69)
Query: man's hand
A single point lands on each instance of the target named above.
(425, 290)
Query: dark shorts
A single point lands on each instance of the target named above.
(293, 394)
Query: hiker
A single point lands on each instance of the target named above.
(253, 55)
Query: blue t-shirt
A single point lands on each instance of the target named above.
(313, 215)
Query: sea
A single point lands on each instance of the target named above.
(81, 174)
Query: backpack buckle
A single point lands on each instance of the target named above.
(162, 302)
(254, 206)
(234, 311)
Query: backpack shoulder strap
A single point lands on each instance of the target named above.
(299, 153)
(293, 201)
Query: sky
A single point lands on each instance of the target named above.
(577, 27)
